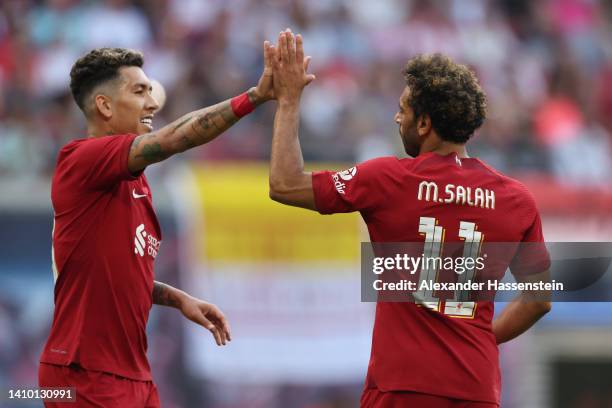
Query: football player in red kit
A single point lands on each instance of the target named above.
(445, 354)
(106, 235)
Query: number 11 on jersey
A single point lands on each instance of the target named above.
(434, 242)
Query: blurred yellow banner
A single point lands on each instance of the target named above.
(242, 224)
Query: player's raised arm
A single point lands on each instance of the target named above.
(201, 126)
(289, 184)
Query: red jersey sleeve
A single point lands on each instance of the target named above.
(355, 189)
(532, 256)
(97, 163)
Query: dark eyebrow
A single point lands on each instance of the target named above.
(143, 85)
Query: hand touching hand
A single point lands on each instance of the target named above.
(209, 316)
(289, 67)
(264, 91)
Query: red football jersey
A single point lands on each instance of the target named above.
(105, 239)
(451, 351)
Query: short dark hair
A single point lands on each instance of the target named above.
(449, 93)
(99, 66)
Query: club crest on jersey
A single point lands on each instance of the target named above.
(341, 176)
(144, 242)
(347, 175)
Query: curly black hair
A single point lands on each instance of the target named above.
(99, 66)
(449, 93)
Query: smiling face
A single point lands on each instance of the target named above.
(408, 125)
(128, 106)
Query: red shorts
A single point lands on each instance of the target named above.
(97, 389)
(373, 398)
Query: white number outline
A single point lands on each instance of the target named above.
(434, 244)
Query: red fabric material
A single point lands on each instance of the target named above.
(241, 105)
(97, 389)
(105, 238)
(373, 398)
(415, 348)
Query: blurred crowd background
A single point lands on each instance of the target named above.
(546, 67)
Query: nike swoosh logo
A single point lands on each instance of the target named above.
(136, 195)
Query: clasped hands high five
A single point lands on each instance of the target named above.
(285, 69)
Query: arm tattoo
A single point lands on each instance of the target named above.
(152, 152)
(187, 143)
(189, 131)
(208, 125)
(162, 295)
(182, 122)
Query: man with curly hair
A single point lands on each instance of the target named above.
(106, 234)
(432, 352)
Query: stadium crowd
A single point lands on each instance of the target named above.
(545, 66)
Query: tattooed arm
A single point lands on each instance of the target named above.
(196, 128)
(166, 295)
(198, 311)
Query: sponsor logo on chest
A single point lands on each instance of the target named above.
(145, 243)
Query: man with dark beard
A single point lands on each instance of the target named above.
(431, 352)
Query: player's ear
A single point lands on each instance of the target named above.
(423, 125)
(102, 104)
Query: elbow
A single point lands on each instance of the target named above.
(278, 191)
(274, 194)
(283, 190)
(293, 189)
(543, 307)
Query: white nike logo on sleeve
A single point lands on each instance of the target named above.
(136, 195)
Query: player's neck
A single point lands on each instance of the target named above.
(97, 130)
(443, 148)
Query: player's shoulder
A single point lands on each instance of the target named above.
(73, 144)
(88, 146)
(426, 162)
(399, 168)
(77, 144)
(372, 168)
(512, 186)
(380, 162)
(67, 151)
(87, 141)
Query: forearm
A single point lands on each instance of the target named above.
(286, 161)
(166, 295)
(518, 316)
(191, 130)
(289, 183)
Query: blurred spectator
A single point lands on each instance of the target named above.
(206, 51)
(546, 67)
